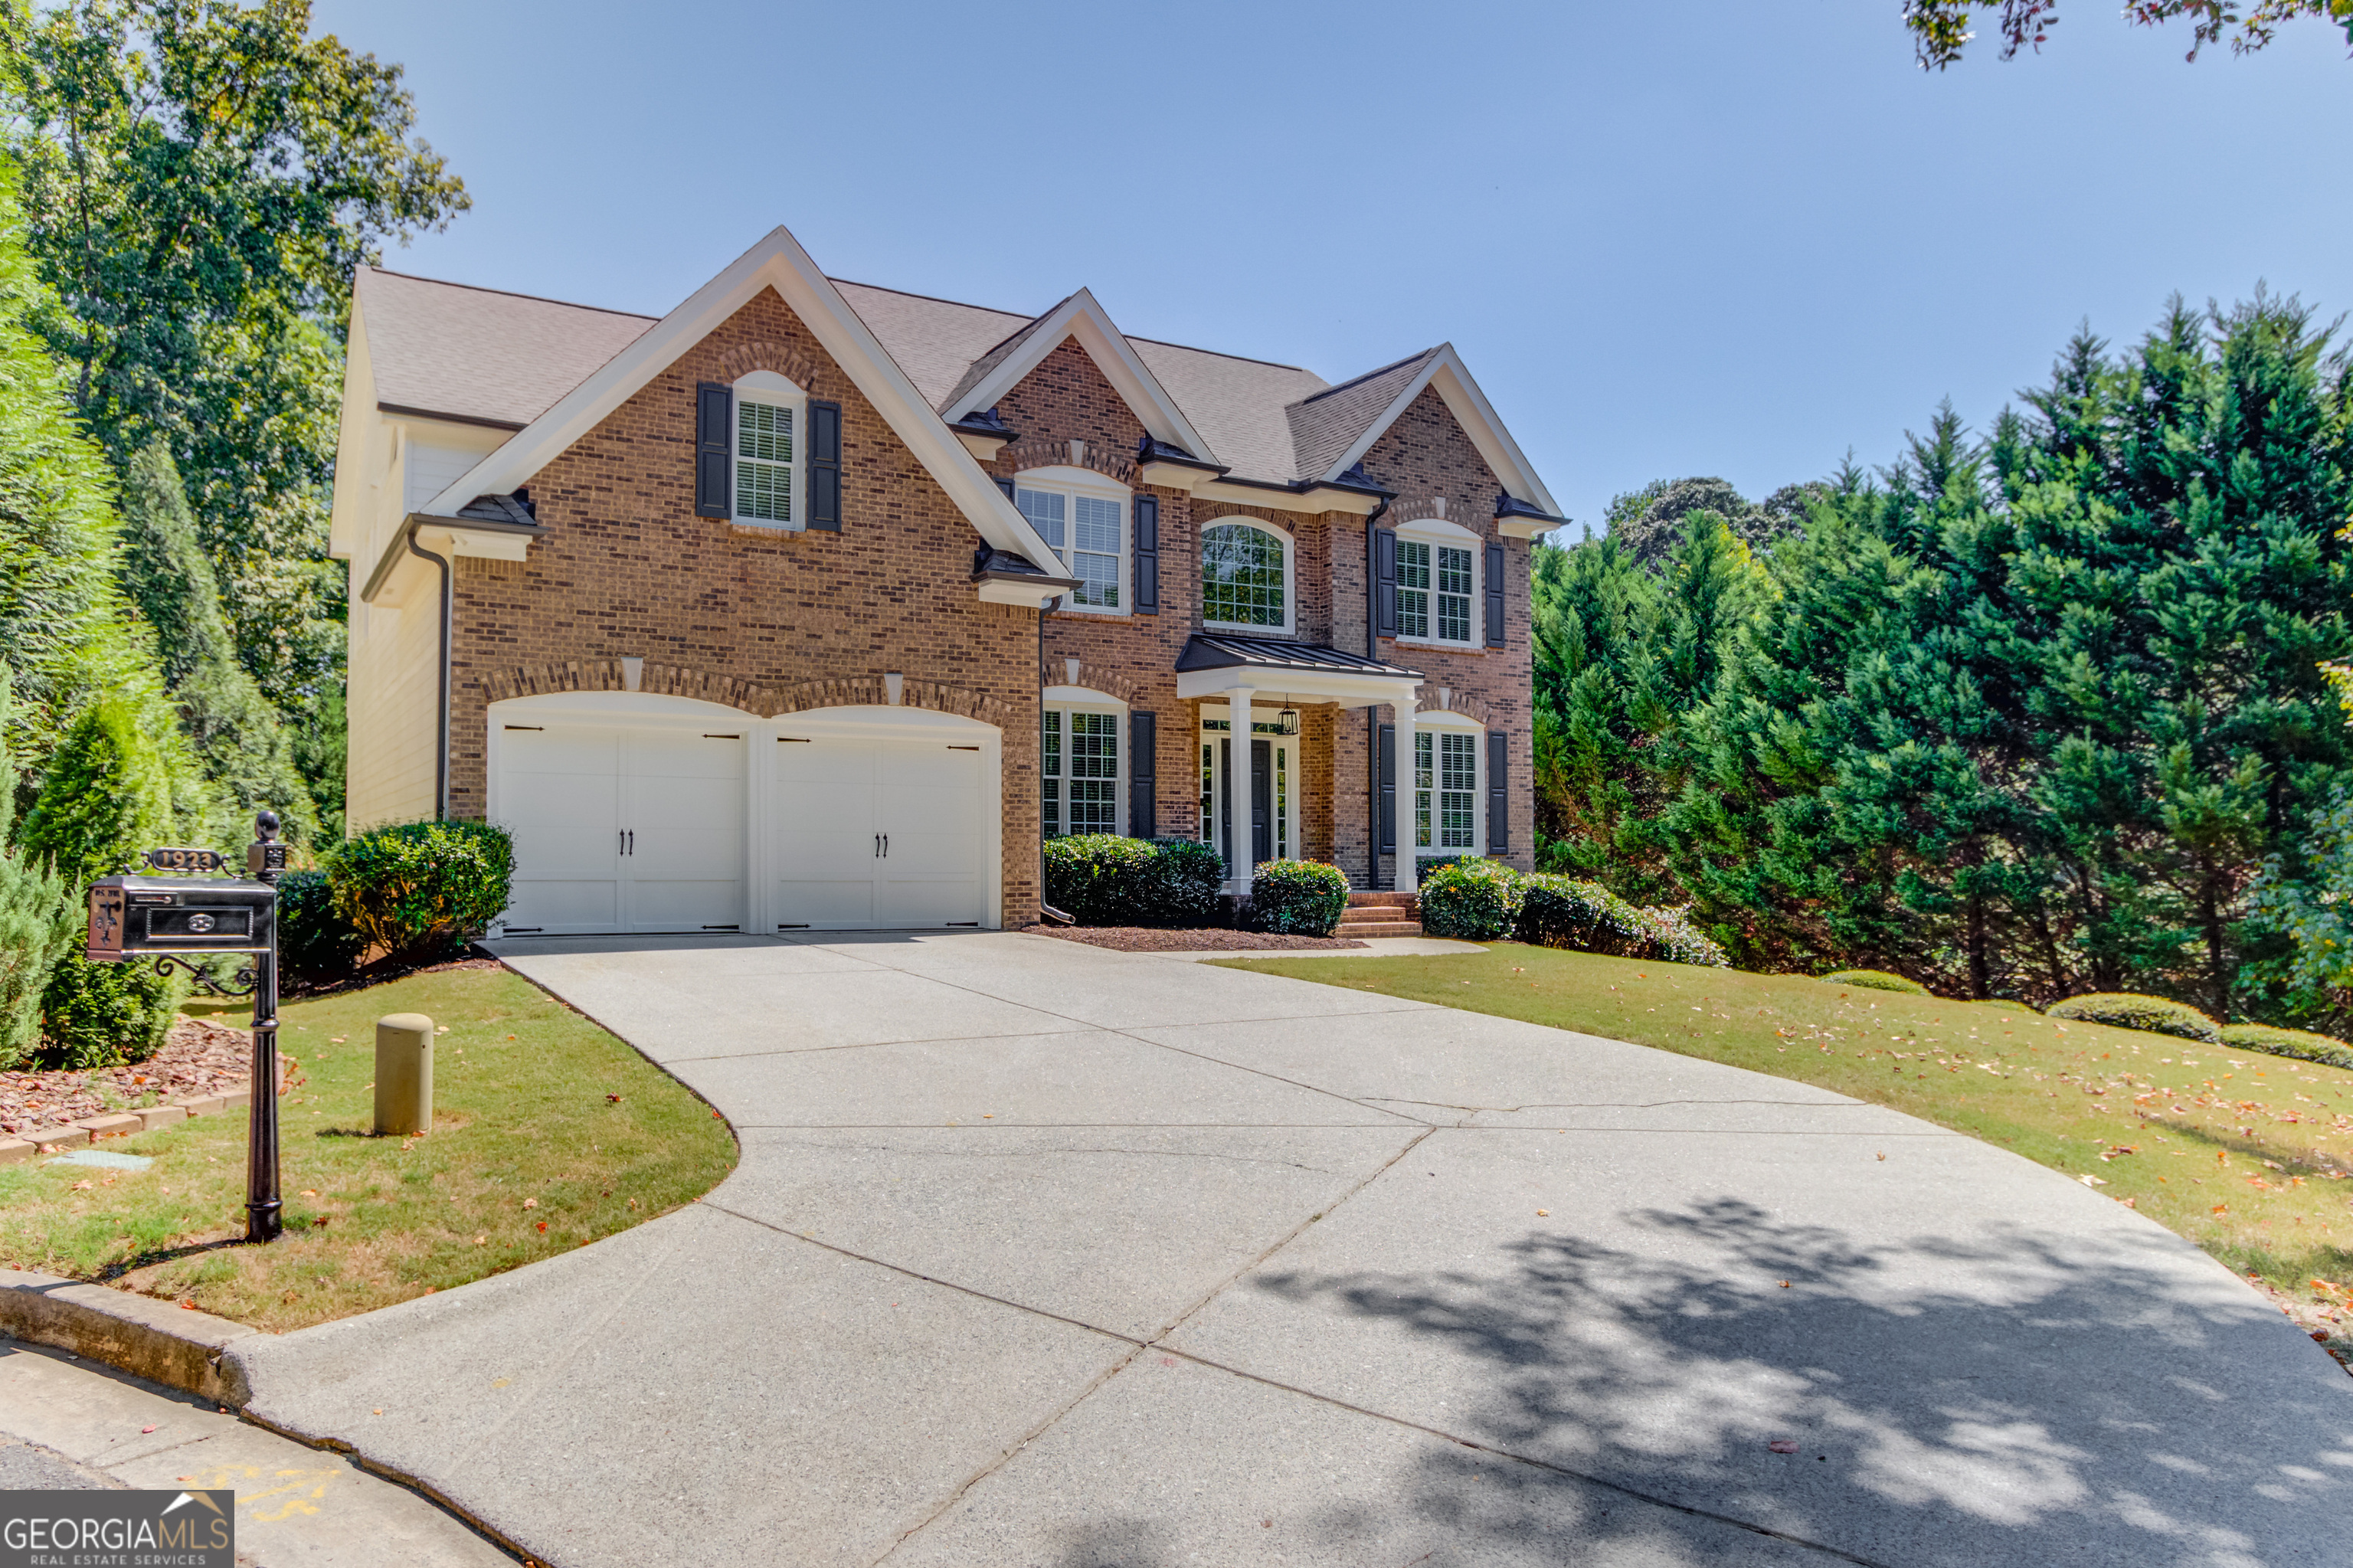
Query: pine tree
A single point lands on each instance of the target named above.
(238, 735)
(36, 926)
(107, 795)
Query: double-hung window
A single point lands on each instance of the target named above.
(1434, 591)
(1445, 790)
(1085, 518)
(764, 441)
(1079, 772)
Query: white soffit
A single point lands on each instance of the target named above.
(1473, 413)
(777, 261)
(1081, 318)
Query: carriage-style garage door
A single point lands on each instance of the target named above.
(877, 834)
(623, 828)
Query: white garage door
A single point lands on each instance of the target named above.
(623, 829)
(877, 833)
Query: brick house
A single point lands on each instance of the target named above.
(817, 604)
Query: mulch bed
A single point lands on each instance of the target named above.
(199, 1057)
(1149, 940)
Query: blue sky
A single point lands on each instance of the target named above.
(1724, 237)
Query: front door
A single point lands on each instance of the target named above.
(1273, 798)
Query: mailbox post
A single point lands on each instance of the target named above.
(173, 919)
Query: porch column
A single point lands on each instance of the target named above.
(1238, 782)
(1408, 878)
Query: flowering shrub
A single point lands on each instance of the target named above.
(1474, 899)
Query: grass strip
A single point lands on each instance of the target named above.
(548, 1133)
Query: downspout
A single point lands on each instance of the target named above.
(441, 731)
(1372, 721)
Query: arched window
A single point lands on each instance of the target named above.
(769, 413)
(1245, 576)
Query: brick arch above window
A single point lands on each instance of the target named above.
(1045, 451)
(797, 365)
(1446, 700)
(1093, 677)
(874, 691)
(607, 676)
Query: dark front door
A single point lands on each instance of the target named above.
(1262, 800)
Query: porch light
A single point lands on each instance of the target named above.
(1287, 722)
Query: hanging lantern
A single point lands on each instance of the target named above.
(1287, 722)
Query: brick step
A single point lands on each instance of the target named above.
(1383, 900)
(1364, 929)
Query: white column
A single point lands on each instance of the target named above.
(1408, 874)
(1238, 781)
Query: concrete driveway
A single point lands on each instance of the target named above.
(1041, 1255)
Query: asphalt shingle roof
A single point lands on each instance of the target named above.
(500, 358)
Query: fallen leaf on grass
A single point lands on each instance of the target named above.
(309, 1191)
(482, 1241)
(2091, 1180)
(1543, 1213)
(81, 1186)
(2222, 1208)
(543, 1224)
(531, 1202)
(144, 1430)
(321, 1222)
(612, 1099)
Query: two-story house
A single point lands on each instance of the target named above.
(813, 604)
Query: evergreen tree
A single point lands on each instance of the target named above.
(106, 796)
(238, 735)
(35, 923)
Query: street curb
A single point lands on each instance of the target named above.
(175, 1346)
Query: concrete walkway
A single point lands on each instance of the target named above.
(1041, 1255)
(69, 1423)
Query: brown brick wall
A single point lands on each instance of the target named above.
(628, 570)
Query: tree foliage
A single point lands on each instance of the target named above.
(2015, 717)
(1940, 28)
(36, 922)
(201, 179)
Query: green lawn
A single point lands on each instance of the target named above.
(2248, 1156)
(548, 1133)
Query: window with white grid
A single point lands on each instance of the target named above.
(1445, 790)
(1079, 772)
(1436, 583)
(1084, 517)
(764, 462)
(1245, 576)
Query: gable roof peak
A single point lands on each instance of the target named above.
(1081, 316)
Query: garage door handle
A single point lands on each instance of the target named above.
(878, 847)
(886, 846)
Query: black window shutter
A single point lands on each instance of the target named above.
(714, 448)
(1494, 596)
(1005, 486)
(1385, 585)
(1147, 555)
(1499, 791)
(824, 463)
(1386, 783)
(1142, 808)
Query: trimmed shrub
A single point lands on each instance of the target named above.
(2296, 1042)
(419, 889)
(1427, 866)
(1302, 897)
(1472, 899)
(1182, 889)
(1563, 912)
(1103, 879)
(2158, 1014)
(314, 941)
(1877, 980)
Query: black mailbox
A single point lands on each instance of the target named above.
(132, 915)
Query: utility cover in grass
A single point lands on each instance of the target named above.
(107, 1158)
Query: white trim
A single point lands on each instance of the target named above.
(1080, 697)
(1473, 413)
(651, 710)
(1310, 503)
(777, 261)
(1302, 687)
(775, 391)
(1081, 318)
(1289, 543)
(1439, 533)
(1436, 722)
(1072, 483)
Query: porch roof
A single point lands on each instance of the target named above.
(1212, 664)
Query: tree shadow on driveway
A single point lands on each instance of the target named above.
(2004, 1398)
